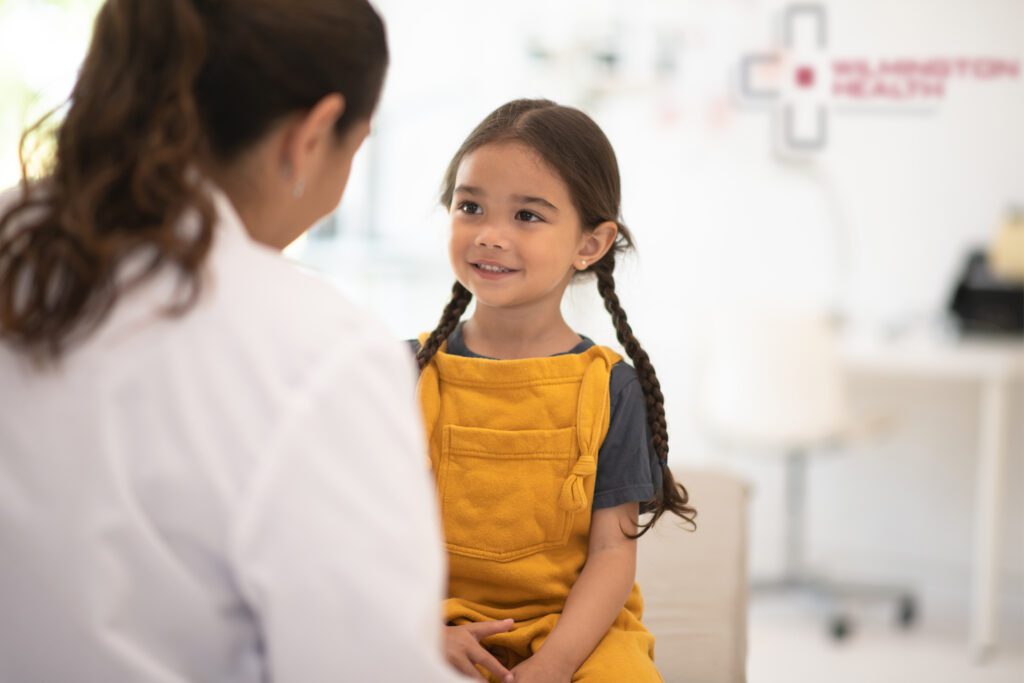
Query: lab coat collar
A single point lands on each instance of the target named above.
(229, 223)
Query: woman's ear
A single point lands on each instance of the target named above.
(308, 135)
(595, 244)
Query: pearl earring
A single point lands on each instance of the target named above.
(584, 262)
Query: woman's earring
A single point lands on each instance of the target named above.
(584, 262)
(298, 188)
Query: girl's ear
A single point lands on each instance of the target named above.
(595, 244)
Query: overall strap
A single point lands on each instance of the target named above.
(592, 415)
(428, 392)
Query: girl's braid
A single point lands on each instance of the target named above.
(673, 497)
(449, 319)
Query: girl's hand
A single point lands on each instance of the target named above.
(540, 669)
(463, 650)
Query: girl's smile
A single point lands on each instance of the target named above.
(492, 270)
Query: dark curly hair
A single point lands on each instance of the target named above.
(165, 85)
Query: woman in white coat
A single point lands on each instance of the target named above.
(210, 466)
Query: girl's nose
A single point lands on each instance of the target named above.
(491, 235)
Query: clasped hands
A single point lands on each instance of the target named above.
(464, 652)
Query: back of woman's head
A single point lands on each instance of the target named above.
(576, 148)
(166, 86)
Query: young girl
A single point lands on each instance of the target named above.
(545, 446)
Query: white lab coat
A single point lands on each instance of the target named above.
(237, 495)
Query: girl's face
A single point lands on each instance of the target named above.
(516, 236)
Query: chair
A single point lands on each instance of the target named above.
(695, 583)
(774, 382)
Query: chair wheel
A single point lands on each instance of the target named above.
(907, 611)
(839, 627)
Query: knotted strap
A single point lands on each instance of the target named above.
(592, 411)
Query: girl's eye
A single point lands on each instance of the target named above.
(470, 208)
(528, 216)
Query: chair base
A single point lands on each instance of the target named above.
(796, 578)
(835, 595)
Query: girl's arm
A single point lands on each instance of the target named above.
(595, 599)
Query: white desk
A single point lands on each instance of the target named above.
(995, 364)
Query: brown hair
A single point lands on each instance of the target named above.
(164, 86)
(575, 148)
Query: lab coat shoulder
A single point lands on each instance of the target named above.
(345, 473)
(267, 305)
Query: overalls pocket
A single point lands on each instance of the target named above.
(499, 490)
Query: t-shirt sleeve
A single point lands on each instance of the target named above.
(627, 467)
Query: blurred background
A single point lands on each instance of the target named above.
(812, 187)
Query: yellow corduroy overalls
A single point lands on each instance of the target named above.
(514, 446)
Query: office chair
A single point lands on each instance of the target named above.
(773, 382)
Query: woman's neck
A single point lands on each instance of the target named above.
(509, 333)
(248, 189)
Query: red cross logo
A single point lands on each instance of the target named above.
(788, 79)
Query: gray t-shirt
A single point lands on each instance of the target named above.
(627, 467)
